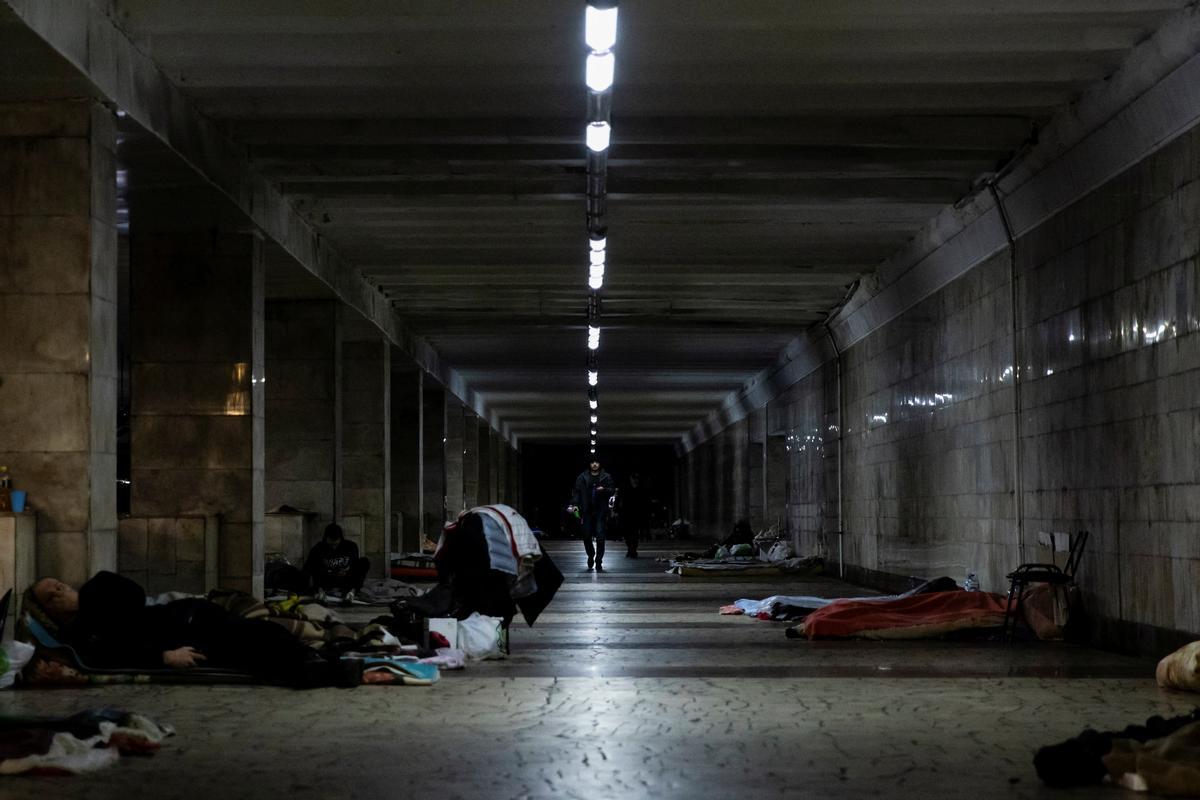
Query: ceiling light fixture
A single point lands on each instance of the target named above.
(593, 338)
(593, 377)
(598, 135)
(600, 28)
(600, 67)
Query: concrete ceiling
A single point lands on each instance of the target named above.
(765, 155)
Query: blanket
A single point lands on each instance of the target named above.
(915, 617)
(787, 607)
(314, 632)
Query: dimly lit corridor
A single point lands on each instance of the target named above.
(531, 398)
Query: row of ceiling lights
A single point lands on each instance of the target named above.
(600, 33)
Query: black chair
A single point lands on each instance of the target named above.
(1052, 574)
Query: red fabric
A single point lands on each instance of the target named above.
(952, 610)
(414, 572)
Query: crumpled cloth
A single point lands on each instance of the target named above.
(1169, 766)
(525, 544)
(85, 742)
(387, 589)
(447, 658)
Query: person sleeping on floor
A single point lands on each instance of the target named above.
(110, 626)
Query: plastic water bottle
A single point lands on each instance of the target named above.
(971, 584)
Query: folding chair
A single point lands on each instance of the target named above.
(1052, 574)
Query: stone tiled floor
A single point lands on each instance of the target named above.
(632, 686)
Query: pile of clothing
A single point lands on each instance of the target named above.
(1161, 757)
(84, 742)
(490, 566)
(694, 565)
(490, 563)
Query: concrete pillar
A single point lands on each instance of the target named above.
(58, 296)
(472, 463)
(755, 469)
(495, 476)
(516, 481)
(737, 473)
(406, 452)
(301, 406)
(502, 465)
(197, 410)
(487, 460)
(366, 457)
(455, 453)
(433, 473)
(690, 509)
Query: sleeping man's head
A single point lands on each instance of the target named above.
(56, 598)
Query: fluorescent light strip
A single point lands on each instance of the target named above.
(600, 34)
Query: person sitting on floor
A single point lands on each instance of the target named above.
(334, 565)
(110, 626)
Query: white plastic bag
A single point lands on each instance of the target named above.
(780, 551)
(17, 654)
(481, 637)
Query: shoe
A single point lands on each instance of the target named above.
(599, 567)
(591, 563)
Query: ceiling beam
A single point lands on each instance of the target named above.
(1150, 101)
(93, 43)
(937, 130)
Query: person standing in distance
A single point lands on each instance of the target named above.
(593, 488)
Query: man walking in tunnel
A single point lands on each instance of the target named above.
(593, 488)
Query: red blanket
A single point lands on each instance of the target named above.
(907, 618)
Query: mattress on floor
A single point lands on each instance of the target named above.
(56, 663)
(916, 617)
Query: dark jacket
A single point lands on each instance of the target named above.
(592, 492)
(331, 562)
(114, 627)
